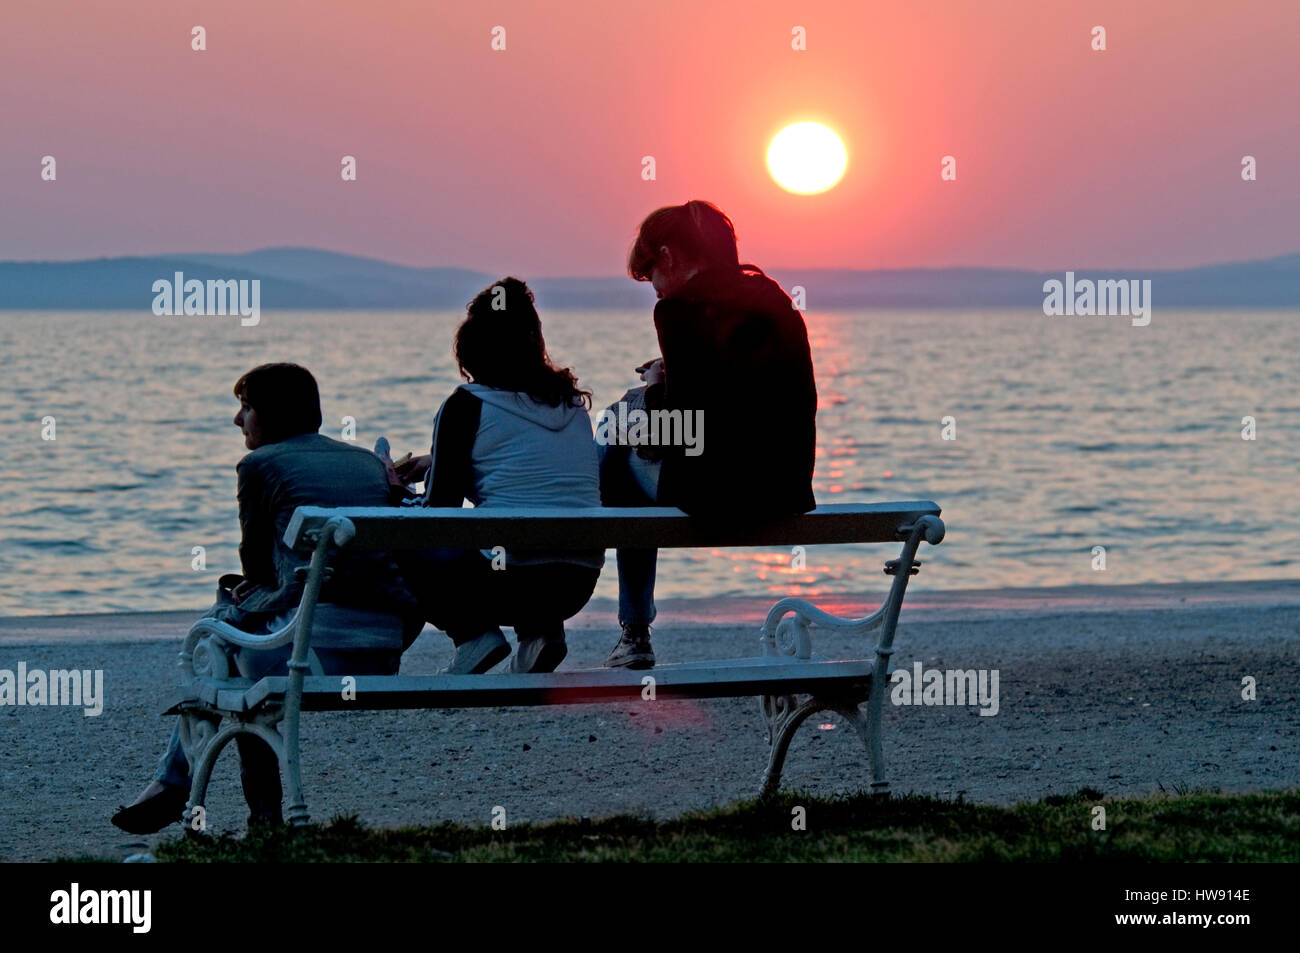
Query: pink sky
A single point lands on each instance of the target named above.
(529, 160)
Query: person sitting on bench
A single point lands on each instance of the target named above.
(517, 435)
(734, 353)
(290, 465)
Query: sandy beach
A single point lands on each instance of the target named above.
(1125, 689)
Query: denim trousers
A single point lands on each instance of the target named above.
(626, 479)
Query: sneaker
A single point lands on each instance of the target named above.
(478, 655)
(633, 649)
(538, 655)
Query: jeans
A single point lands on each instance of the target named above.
(626, 479)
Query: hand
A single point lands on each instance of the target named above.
(391, 471)
(242, 590)
(412, 470)
(652, 373)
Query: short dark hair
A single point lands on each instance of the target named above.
(285, 397)
(698, 231)
(500, 344)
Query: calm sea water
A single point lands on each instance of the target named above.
(1070, 433)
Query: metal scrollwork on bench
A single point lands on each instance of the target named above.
(207, 655)
(786, 632)
(197, 731)
(218, 706)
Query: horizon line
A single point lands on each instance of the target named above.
(605, 276)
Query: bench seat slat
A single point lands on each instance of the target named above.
(231, 699)
(404, 528)
(778, 676)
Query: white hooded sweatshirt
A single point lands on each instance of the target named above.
(503, 448)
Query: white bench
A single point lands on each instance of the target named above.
(790, 681)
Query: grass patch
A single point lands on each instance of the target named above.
(1157, 828)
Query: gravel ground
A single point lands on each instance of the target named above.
(1127, 701)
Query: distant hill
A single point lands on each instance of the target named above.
(311, 278)
(1272, 282)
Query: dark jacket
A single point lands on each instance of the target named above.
(309, 470)
(735, 347)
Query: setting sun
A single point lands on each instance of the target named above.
(806, 158)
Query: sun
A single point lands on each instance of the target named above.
(806, 158)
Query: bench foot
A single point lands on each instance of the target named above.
(298, 816)
(786, 632)
(785, 713)
(203, 742)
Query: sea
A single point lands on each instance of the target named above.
(1063, 450)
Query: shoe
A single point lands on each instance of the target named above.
(478, 655)
(153, 814)
(633, 649)
(538, 655)
(265, 821)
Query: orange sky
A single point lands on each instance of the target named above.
(529, 160)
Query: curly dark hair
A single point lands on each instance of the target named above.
(500, 344)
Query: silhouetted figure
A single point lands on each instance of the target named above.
(290, 465)
(735, 350)
(517, 435)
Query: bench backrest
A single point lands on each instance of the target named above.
(596, 527)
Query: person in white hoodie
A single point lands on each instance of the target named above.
(518, 434)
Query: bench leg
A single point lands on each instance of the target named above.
(790, 636)
(289, 752)
(868, 727)
(784, 715)
(204, 745)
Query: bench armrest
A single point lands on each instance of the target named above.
(337, 531)
(208, 634)
(785, 630)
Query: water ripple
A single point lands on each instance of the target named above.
(1069, 436)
